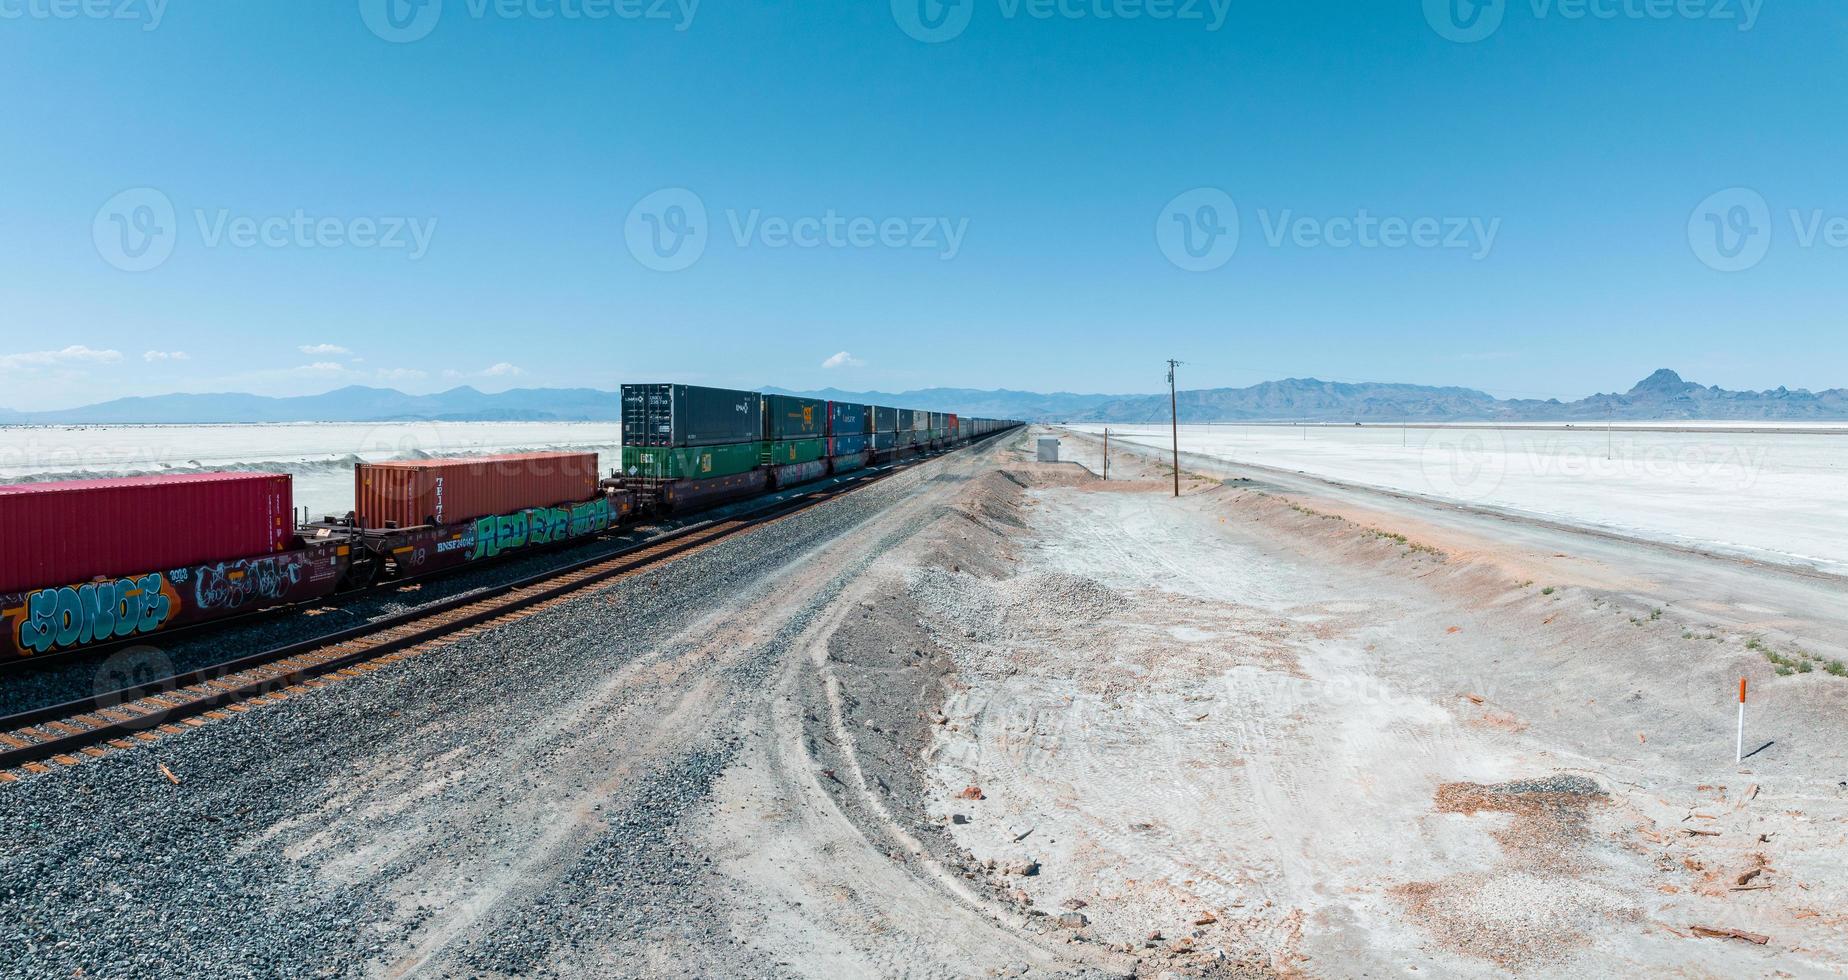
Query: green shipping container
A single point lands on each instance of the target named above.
(794, 451)
(698, 463)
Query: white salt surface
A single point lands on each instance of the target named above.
(320, 455)
(1780, 496)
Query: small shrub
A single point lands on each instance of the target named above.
(1549, 590)
(1837, 668)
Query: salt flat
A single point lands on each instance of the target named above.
(1773, 496)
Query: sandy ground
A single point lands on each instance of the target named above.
(1359, 742)
(998, 718)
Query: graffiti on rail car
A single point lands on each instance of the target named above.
(429, 550)
(233, 585)
(495, 536)
(80, 615)
(72, 617)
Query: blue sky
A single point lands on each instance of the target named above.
(285, 198)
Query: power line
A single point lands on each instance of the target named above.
(1174, 424)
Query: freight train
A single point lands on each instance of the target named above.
(92, 564)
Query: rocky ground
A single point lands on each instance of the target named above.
(993, 718)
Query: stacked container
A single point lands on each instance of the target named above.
(848, 428)
(849, 435)
(885, 429)
(795, 436)
(685, 432)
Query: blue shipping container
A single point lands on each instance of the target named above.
(849, 445)
(846, 418)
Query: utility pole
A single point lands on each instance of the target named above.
(1106, 453)
(1174, 424)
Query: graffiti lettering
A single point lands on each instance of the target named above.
(230, 585)
(77, 615)
(545, 525)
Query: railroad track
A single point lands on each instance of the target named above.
(66, 735)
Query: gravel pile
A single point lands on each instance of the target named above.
(318, 838)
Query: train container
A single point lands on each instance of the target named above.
(137, 606)
(413, 493)
(885, 419)
(688, 415)
(850, 462)
(792, 451)
(793, 417)
(907, 420)
(847, 445)
(57, 533)
(689, 495)
(690, 463)
(884, 442)
(920, 421)
(848, 419)
(793, 474)
(954, 422)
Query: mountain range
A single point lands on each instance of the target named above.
(1661, 396)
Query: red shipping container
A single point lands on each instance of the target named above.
(57, 534)
(413, 493)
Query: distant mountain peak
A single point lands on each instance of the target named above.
(1663, 381)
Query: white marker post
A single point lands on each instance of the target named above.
(1739, 751)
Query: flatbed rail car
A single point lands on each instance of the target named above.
(424, 522)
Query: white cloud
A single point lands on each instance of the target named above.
(74, 354)
(841, 360)
(323, 349)
(401, 374)
(165, 355)
(322, 367)
(501, 370)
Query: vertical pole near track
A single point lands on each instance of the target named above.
(1739, 746)
(1174, 424)
(1106, 453)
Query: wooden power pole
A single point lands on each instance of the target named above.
(1174, 424)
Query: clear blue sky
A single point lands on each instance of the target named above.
(1052, 147)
